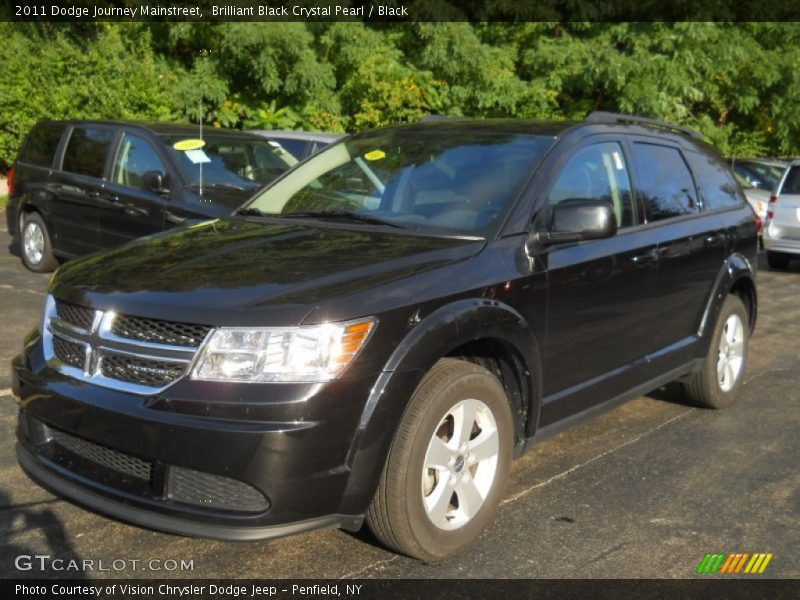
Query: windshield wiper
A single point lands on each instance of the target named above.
(344, 215)
(249, 211)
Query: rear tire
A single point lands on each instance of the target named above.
(717, 383)
(34, 244)
(777, 260)
(447, 467)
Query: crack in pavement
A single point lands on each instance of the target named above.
(368, 567)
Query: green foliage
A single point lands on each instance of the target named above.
(736, 82)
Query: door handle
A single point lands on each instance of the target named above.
(714, 239)
(133, 211)
(646, 258)
(113, 199)
(93, 195)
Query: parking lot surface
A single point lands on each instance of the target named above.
(645, 490)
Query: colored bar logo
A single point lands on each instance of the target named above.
(734, 563)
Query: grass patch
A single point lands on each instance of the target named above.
(3, 202)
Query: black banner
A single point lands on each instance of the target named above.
(401, 10)
(429, 589)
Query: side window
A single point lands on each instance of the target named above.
(134, 159)
(667, 185)
(597, 172)
(720, 190)
(87, 150)
(41, 145)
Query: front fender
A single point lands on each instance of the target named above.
(434, 337)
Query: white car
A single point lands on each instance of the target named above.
(781, 232)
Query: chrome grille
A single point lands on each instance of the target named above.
(162, 332)
(143, 371)
(79, 316)
(125, 352)
(106, 457)
(69, 353)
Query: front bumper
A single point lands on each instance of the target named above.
(288, 444)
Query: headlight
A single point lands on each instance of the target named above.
(286, 354)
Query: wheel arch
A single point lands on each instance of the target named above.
(736, 276)
(505, 345)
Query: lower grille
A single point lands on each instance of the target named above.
(141, 371)
(106, 457)
(69, 353)
(213, 491)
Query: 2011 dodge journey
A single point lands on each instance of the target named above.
(380, 331)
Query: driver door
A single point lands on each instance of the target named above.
(128, 210)
(602, 295)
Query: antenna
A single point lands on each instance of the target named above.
(201, 139)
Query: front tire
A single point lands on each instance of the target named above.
(777, 260)
(447, 467)
(717, 383)
(35, 246)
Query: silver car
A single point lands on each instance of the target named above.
(759, 177)
(781, 232)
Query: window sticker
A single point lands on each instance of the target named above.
(184, 145)
(197, 156)
(375, 155)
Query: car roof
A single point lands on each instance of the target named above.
(158, 128)
(310, 136)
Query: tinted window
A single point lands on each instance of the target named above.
(758, 175)
(134, 159)
(461, 180)
(87, 150)
(296, 147)
(792, 183)
(242, 163)
(720, 190)
(598, 172)
(666, 183)
(41, 145)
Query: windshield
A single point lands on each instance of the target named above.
(230, 161)
(429, 179)
(758, 175)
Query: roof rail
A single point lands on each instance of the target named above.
(434, 117)
(606, 117)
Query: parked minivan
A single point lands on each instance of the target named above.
(82, 186)
(376, 335)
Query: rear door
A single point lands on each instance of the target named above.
(126, 209)
(77, 188)
(691, 247)
(602, 294)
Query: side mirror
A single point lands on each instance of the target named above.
(579, 219)
(153, 181)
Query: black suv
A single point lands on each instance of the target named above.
(379, 332)
(82, 186)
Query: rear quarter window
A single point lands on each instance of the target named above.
(720, 190)
(41, 145)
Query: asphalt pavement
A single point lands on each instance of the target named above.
(643, 491)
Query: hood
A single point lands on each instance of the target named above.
(237, 271)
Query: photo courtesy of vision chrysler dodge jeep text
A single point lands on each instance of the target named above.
(376, 335)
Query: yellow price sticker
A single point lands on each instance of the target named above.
(375, 155)
(188, 145)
